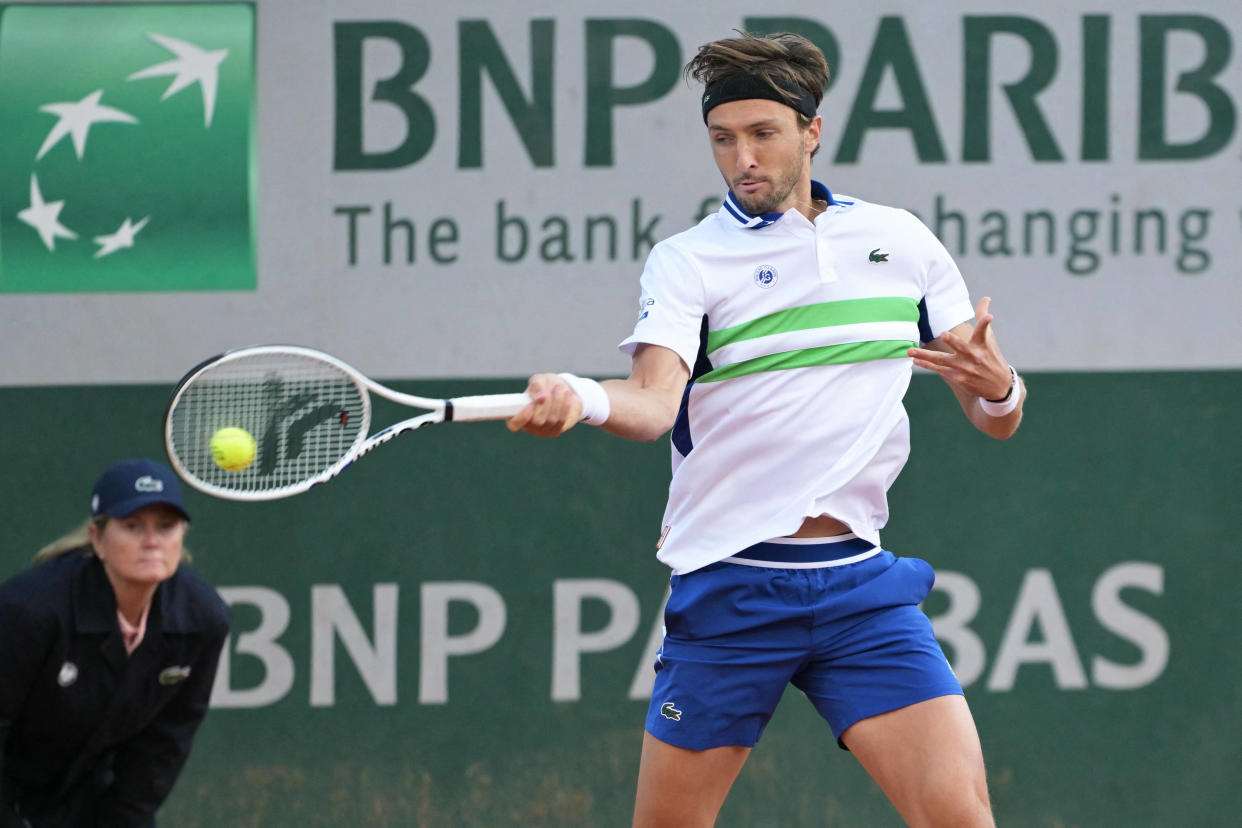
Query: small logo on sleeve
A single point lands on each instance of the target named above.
(876, 256)
(668, 711)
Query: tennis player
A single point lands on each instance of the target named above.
(776, 340)
(107, 656)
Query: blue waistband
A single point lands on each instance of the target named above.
(806, 552)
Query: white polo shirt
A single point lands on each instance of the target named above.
(796, 336)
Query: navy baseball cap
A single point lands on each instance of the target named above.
(129, 485)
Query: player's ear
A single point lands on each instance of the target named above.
(812, 133)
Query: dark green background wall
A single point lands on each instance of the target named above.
(1108, 468)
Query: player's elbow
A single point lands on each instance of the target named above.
(646, 423)
(653, 410)
(653, 434)
(652, 429)
(669, 412)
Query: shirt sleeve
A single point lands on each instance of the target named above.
(946, 301)
(671, 307)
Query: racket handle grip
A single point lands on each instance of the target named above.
(487, 407)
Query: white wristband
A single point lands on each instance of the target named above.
(1001, 407)
(595, 403)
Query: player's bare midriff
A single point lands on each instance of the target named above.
(820, 526)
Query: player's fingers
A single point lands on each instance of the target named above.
(983, 319)
(553, 413)
(521, 419)
(935, 368)
(952, 340)
(553, 409)
(924, 358)
(557, 414)
(538, 388)
(571, 410)
(540, 383)
(543, 404)
(982, 324)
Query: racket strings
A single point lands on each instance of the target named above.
(305, 416)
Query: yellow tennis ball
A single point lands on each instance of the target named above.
(232, 448)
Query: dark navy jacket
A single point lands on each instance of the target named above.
(72, 703)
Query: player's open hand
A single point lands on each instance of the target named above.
(554, 408)
(968, 359)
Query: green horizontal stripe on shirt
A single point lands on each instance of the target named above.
(819, 315)
(811, 357)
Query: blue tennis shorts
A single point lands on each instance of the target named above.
(849, 634)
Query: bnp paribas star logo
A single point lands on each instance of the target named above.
(126, 147)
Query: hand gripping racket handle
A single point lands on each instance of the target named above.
(484, 407)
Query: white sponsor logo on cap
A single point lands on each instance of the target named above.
(147, 483)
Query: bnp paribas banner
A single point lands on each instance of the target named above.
(450, 190)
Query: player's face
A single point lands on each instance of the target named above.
(762, 153)
(143, 548)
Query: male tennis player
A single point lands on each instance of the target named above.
(776, 340)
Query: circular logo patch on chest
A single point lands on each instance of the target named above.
(765, 276)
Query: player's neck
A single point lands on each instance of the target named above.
(807, 204)
(812, 208)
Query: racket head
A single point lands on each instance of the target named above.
(308, 412)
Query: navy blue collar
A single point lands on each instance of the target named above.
(731, 205)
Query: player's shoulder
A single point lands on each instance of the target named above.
(863, 210)
(680, 252)
(710, 230)
(898, 223)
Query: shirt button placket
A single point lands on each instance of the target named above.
(825, 259)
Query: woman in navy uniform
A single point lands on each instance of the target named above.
(108, 650)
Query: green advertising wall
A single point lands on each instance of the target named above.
(1087, 594)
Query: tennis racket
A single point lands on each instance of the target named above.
(308, 412)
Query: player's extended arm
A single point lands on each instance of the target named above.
(970, 361)
(642, 407)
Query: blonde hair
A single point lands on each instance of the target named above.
(80, 538)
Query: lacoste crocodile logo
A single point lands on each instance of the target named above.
(147, 483)
(173, 675)
(669, 712)
(876, 256)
